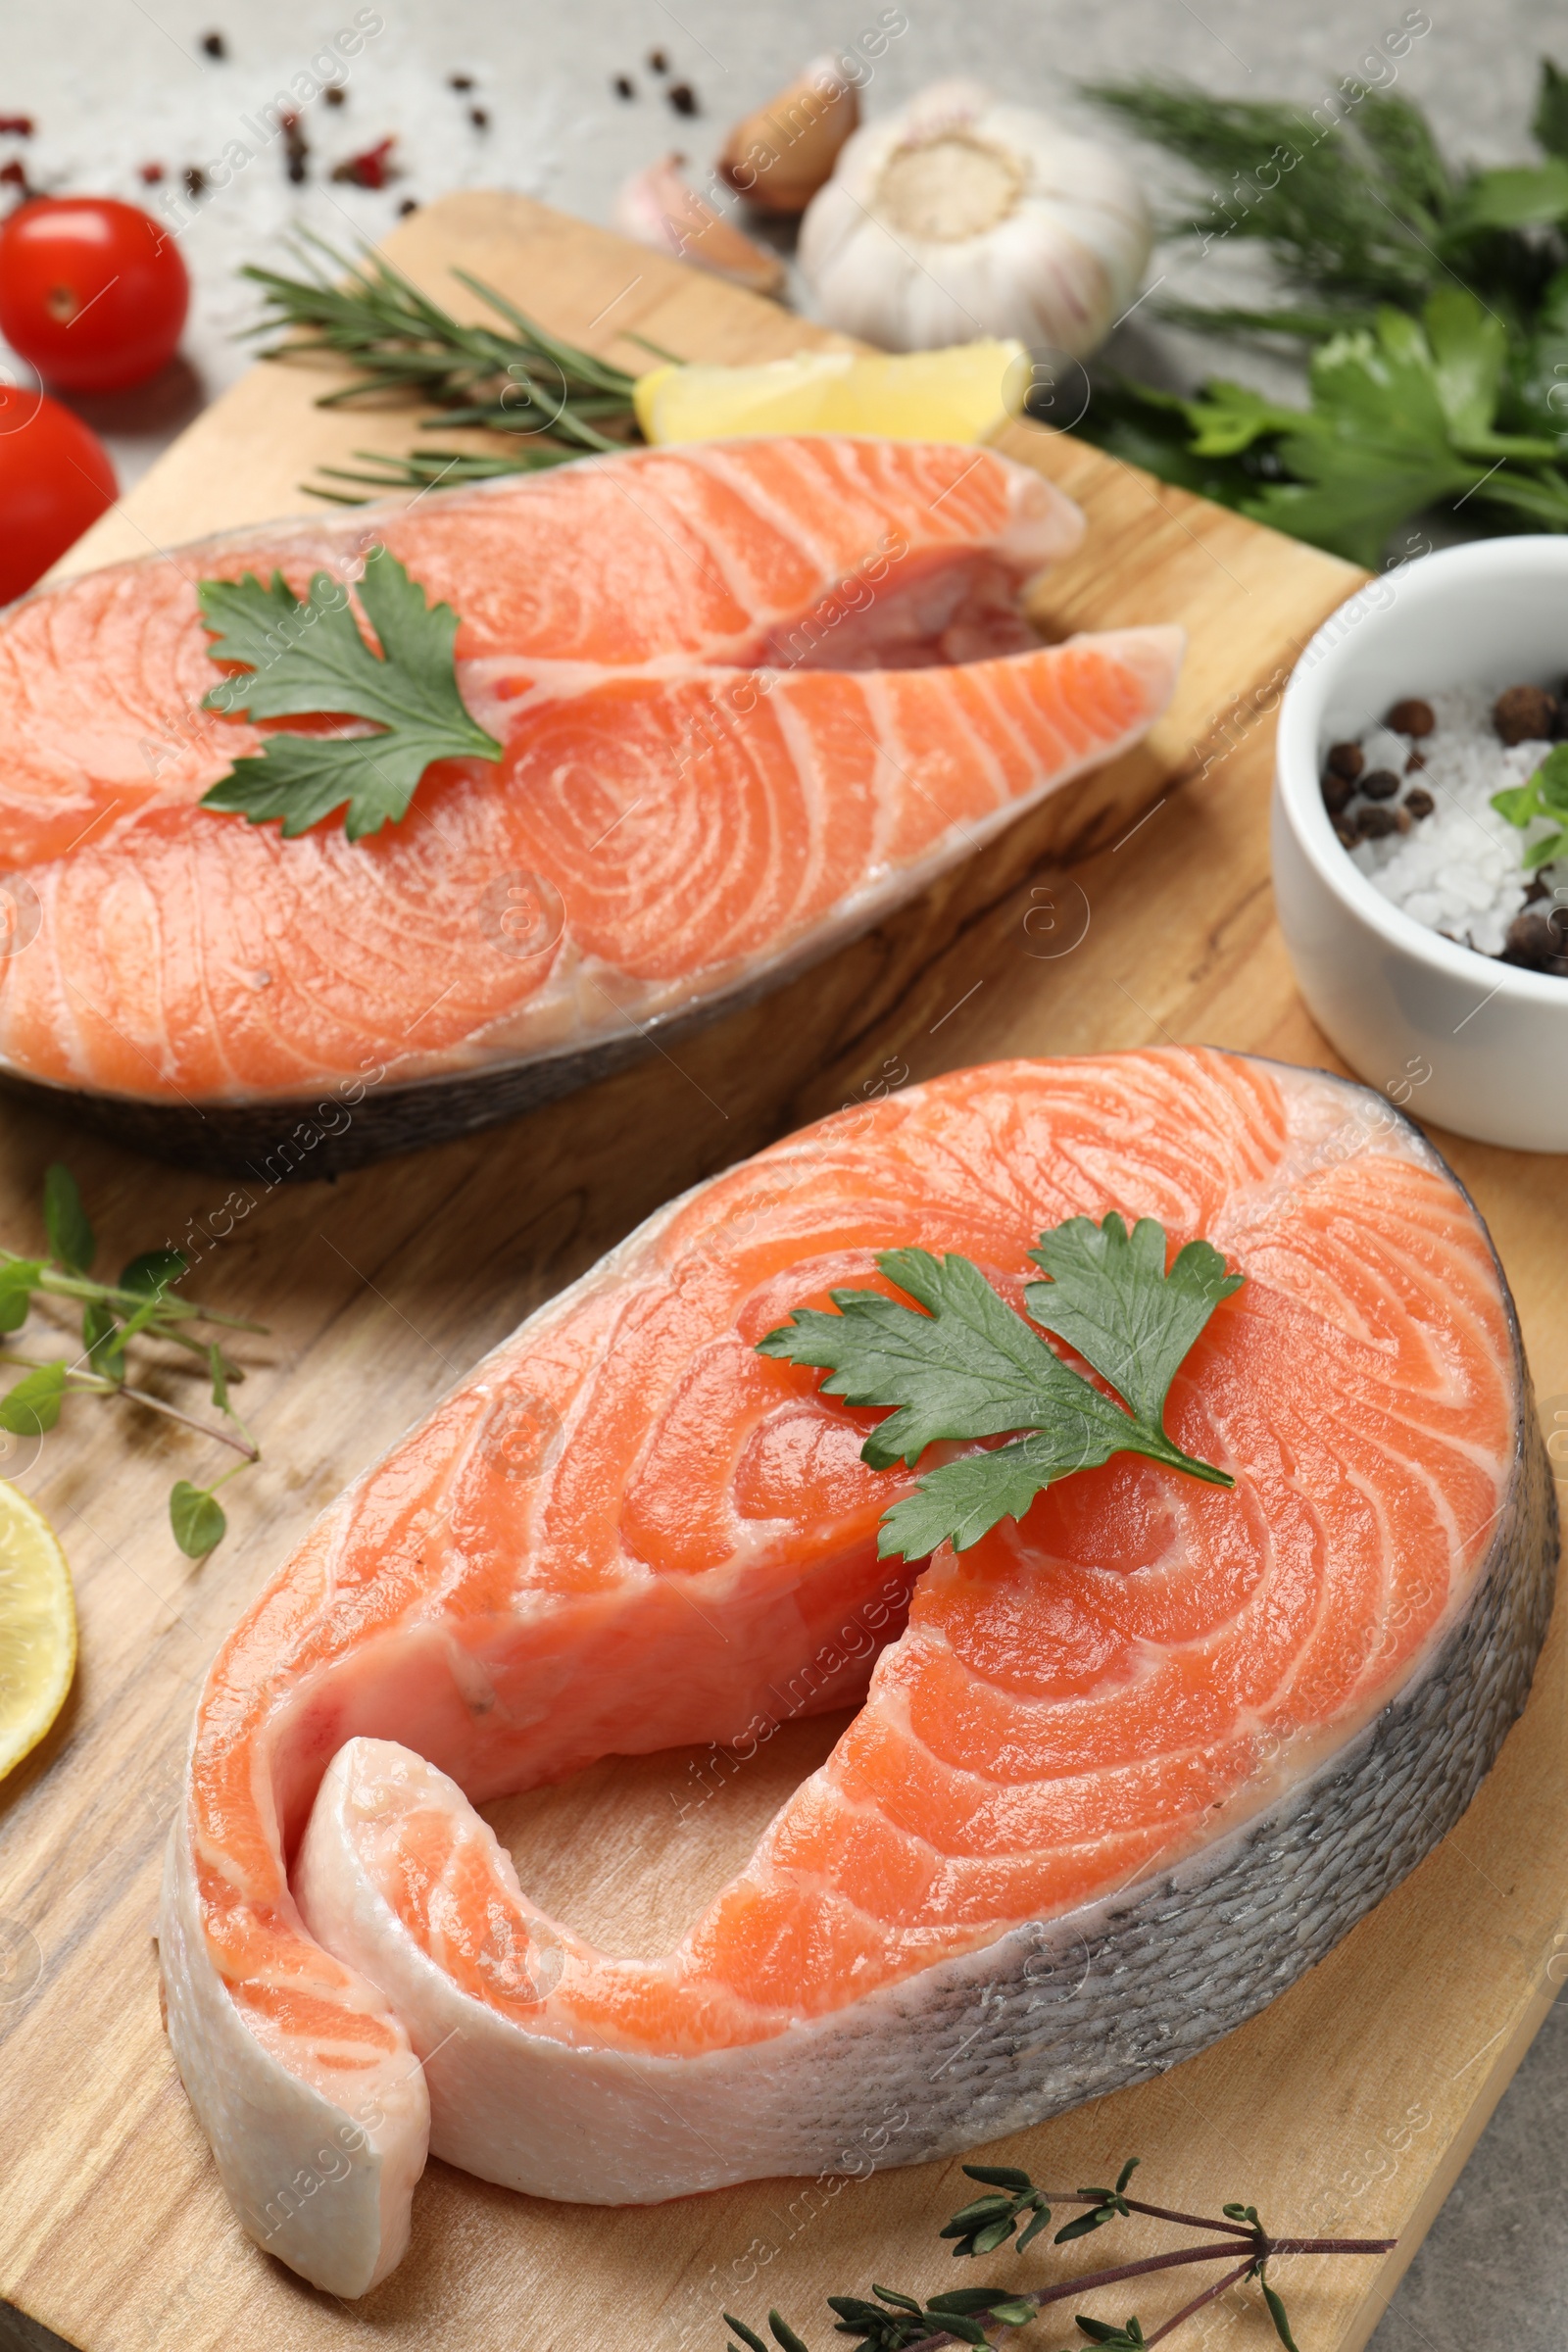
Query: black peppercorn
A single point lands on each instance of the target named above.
(1525, 715)
(1381, 785)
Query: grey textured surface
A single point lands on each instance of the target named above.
(104, 75)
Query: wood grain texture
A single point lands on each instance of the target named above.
(1349, 2105)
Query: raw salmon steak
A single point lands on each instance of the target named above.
(751, 696)
(1121, 1772)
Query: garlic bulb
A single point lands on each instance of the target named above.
(660, 209)
(963, 217)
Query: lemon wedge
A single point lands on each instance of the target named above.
(955, 395)
(38, 1627)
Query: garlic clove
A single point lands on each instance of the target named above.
(657, 208)
(960, 217)
(782, 154)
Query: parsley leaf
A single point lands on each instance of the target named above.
(308, 660)
(1110, 1297)
(970, 1367)
(1545, 795)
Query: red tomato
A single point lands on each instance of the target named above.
(55, 478)
(92, 291)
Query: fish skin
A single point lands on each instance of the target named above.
(201, 988)
(958, 2045)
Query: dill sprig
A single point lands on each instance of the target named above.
(553, 401)
(1432, 299)
(896, 2322)
(142, 1306)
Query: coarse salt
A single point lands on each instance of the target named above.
(1462, 869)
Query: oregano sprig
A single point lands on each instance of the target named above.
(896, 2322)
(142, 1306)
(969, 1367)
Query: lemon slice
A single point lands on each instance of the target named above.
(953, 394)
(38, 1627)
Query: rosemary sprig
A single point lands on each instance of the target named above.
(552, 400)
(901, 2323)
(142, 1306)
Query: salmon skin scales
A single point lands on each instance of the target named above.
(1120, 1773)
(751, 696)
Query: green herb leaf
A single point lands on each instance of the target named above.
(997, 2176)
(153, 1272)
(71, 1237)
(1110, 1297)
(103, 1340)
(1100, 2331)
(1523, 196)
(963, 2299)
(197, 1519)
(1517, 804)
(752, 2340)
(1277, 2313)
(19, 1279)
(1551, 119)
(33, 1405)
(1545, 795)
(1551, 782)
(969, 1367)
(1133, 2161)
(785, 2332)
(310, 660)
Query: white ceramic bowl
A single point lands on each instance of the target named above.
(1459, 1039)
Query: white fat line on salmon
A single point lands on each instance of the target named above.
(337, 2163)
(804, 1162)
(787, 645)
(100, 1015)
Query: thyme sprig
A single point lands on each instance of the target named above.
(142, 1306)
(552, 400)
(897, 2322)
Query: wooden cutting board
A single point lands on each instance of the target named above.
(1346, 2107)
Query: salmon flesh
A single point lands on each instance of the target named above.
(1120, 1773)
(751, 696)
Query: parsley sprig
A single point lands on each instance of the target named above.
(970, 1367)
(310, 660)
(1545, 794)
(1432, 298)
(902, 2323)
(142, 1306)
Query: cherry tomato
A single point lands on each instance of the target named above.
(92, 291)
(55, 478)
